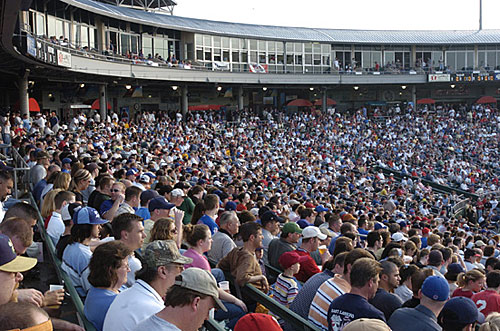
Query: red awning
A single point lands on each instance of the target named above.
(205, 107)
(426, 101)
(96, 106)
(33, 105)
(300, 103)
(486, 99)
(329, 102)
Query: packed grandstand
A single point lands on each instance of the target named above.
(289, 179)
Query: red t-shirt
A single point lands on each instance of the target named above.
(487, 301)
(459, 292)
(307, 268)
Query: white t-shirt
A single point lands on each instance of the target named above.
(157, 324)
(55, 228)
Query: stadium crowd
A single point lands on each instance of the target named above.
(153, 218)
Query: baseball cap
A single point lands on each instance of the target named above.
(480, 243)
(66, 160)
(159, 203)
(148, 195)
(291, 227)
(455, 268)
(367, 324)
(68, 211)
(9, 261)
(87, 215)
(144, 178)
(436, 288)
(150, 174)
(130, 172)
(426, 230)
(163, 252)
(397, 237)
(182, 185)
(458, 312)
(270, 216)
(201, 281)
(257, 321)
(312, 232)
(469, 253)
(379, 225)
(288, 259)
(320, 209)
(177, 192)
(327, 232)
(91, 166)
(42, 155)
(230, 206)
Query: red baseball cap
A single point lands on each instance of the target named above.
(257, 321)
(288, 259)
(426, 230)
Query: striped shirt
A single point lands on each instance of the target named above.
(284, 291)
(327, 292)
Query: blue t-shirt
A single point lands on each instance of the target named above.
(303, 223)
(105, 206)
(38, 189)
(349, 307)
(97, 304)
(207, 220)
(144, 213)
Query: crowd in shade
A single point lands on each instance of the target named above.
(159, 219)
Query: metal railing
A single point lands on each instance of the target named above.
(20, 171)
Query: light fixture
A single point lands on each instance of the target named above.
(452, 85)
(403, 87)
(356, 88)
(150, 96)
(174, 87)
(264, 88)
(128, 87)
(311, 89)
(219, 88)
(400, 93)
(50, 95)
(82, 85)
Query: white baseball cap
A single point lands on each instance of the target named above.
(313, 232)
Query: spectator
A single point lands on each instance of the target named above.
(311, 237)
(488, 300)
(257, 321)
(160, 208)
(80, 181)
(270, 228)
(458, 313)
(384, 300)
(290, 235)
(18, 232)
(24, 316)
(109, 207)
(469, 283)
(39, 171)
(223, 241)
(101, 193)
(451, 276)
(162, 263)
(131, 202)
(145, 197)
(211, 203)
(6, 185)
(55, 228)
(404, 290)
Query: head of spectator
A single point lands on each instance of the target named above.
(349, 260)
(459, 313)
(128, 229)
(19, 233)
(311, 237)
(435, 259)
(177, 196)
(343, 244)
(11, 266)
(434, 293)
(271, 222)
(105, 185)
(62, 181)
(291, 233)
(491, 323)
(159, 208)
(229, 222)
(62, 199)
(132, 195)
(24, 316)
(389, 276)
(43, 158)
(117, 189)
(189, 301)
(493, 280)
(290, 262)
(86, 225)
(470, 255)
(23, 210)
(374, 241)
(198, 237)
(162, 262)
(364, 277)
(472, 280)
(257, 321)
(164, 229)
(48, 205)
(109, 266)
(367, 324)
(251, 234)
(211, 202)
(80, 180)
(146, 196)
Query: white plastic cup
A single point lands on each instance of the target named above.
(224, 285)
(53, 287)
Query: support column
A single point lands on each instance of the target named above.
(325, 97)
(240, 98)
(414, 96)
(103, 104)
(23, 93)
(184, 101)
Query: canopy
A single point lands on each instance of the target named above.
(486, 99)
(329, 102)
(300, 103)
(33, 105)
(205, 107)
(426, 101)
(95, 105)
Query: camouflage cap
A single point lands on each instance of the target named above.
(163, 252)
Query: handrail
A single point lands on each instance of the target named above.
(459, 207)
(63, 277)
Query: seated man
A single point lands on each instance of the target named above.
(242, 263)
(22, 315)
(223, 241)
(290, 235)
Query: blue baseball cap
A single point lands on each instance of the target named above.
(459, 312)
(9, 261)
(87, 215)
(320, 209)
(131, 172)
(159, 203)
(230, 206)
(436, 288)
(66, 160)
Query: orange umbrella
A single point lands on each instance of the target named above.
(329, 102)
(300, 103)
(96, 105)
(486, 99)
(426, 101)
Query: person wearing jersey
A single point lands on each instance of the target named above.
(488, 301)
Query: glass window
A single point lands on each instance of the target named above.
(217, 56)
(253, 56)
(235, 43)
(450, 60)
(235, 56)
(40, 24)
(317, 59)
(461, 61)
(59, 28)
(271, 46)
(491, 60)
(225, 56)
(298, 59)
(92, 38)
(207, 40)
(279, 46)
(225, 42)
(208, 54)
(289, 47)
(308, 58)
(198, 39)
(262, 57)
(298, 47)
(244, 57)
(289, 59)
(147, 46)
(124, 44)
(326, 60)
(317, 48)
(253, 44)
(325, 48)
(280, 58)
(51, 22)
(199, 54)
(243, 44)
(217, 41)
(66, 30)
(307, 48)
(262, 45)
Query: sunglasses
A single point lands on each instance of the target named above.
(115, 190)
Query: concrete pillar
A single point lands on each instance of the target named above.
(23, 94)
(325, 97)
(101, 35)
(184, 101)
(414, 96)
(103, 104)
(413, 56)
(240, 98)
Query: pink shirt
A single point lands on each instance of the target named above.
(199, 261)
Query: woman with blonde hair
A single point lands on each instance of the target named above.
(80, 181)
(469, 283)
(492, 323)
(48, 205)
